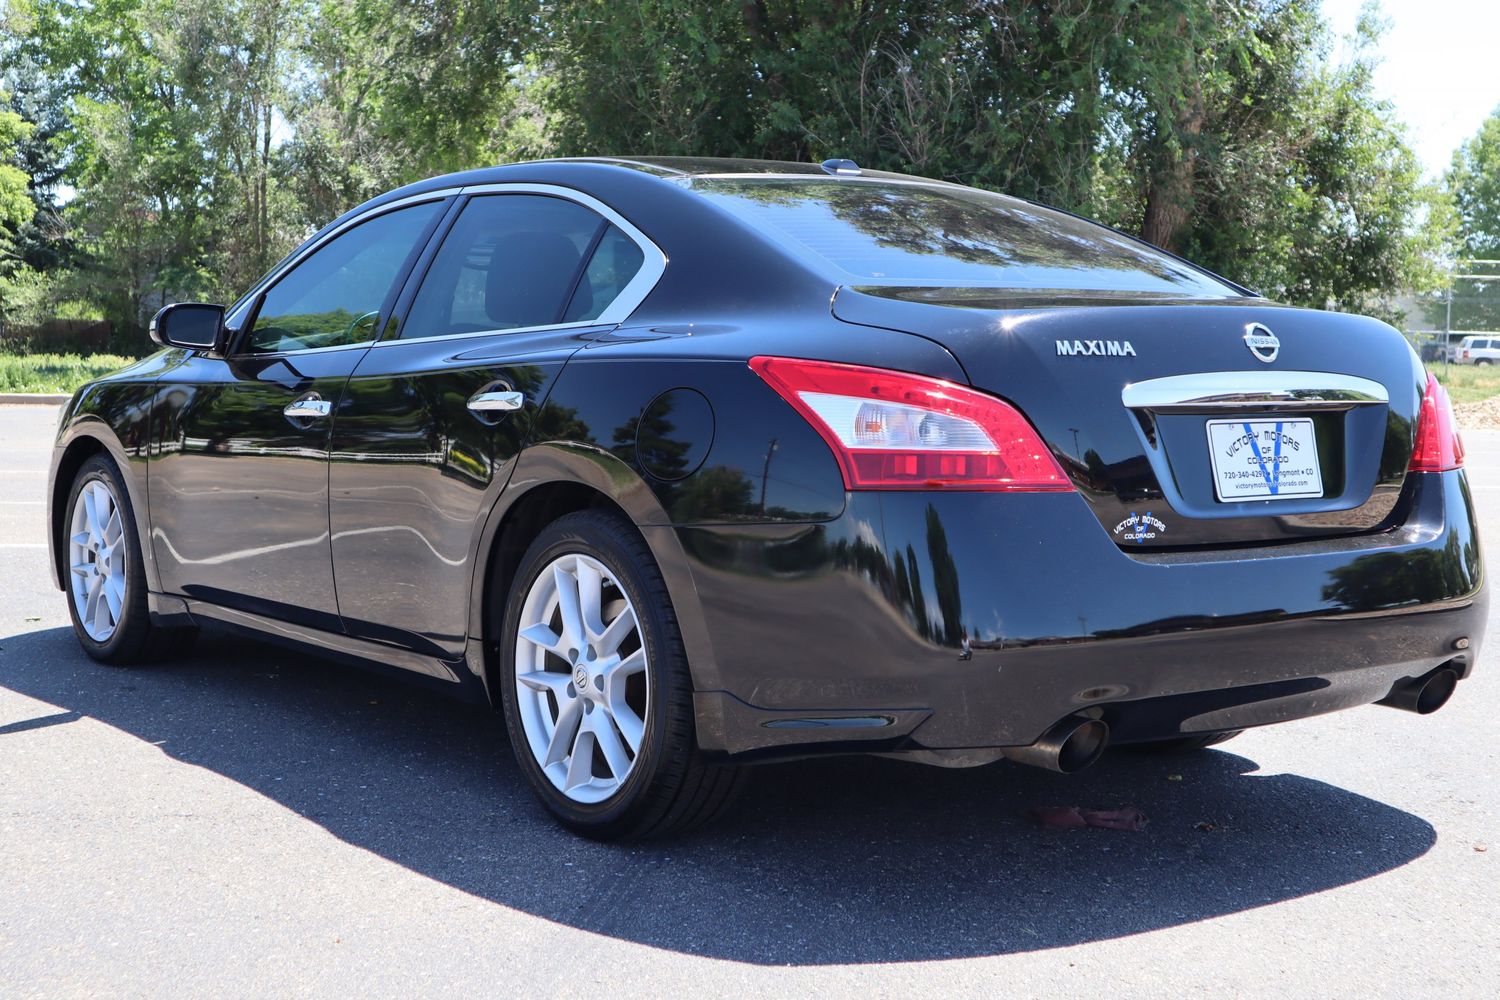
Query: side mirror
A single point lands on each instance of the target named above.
(195, 326)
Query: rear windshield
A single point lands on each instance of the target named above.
(884, 233)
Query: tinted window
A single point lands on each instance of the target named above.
(615, 261)
(334, 295)
(509, 261)
(928, 234)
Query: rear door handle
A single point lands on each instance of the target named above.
(311, 406)
(496, 401)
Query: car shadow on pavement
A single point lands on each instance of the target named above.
(830, 861)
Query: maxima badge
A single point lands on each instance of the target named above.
(1262, 342)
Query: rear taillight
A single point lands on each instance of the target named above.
(895, 431)
(1438, 447)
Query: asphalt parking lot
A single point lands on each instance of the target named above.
(254, 822)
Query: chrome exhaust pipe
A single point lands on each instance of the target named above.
(1424, 695)
(1070, 745)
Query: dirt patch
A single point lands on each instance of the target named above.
(1481, 416)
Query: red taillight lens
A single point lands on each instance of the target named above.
(1438, 447)
(895, 431)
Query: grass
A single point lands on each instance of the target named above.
(54, 372)
(1469, 383)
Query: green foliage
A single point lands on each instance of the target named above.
(1473, 184)
(1469, 383)
(1474, 180)
(205, 138)
(54, 372)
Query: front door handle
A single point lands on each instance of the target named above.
(308, 407)
(495, 401)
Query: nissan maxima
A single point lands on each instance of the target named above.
(685, 464)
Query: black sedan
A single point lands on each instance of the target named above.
(683, 464)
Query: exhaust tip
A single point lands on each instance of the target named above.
(1426, 694)
(1083, 746)
(1435, 693)
(1071, 745)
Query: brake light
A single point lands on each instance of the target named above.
(1438, 446)
(895, 431)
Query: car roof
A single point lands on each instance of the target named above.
(725, 166)
(667, 168)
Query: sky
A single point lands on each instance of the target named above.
(1440, 66)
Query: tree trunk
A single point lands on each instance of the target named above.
(1170, 191)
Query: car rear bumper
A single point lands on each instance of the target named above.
(964, 621)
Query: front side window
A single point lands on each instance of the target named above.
(510, 261)
(333, 296)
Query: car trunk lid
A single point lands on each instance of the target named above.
(1188, 423)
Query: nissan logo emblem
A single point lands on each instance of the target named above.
(1262, 342)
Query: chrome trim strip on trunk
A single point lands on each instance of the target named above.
(1212, 392)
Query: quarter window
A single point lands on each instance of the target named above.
(615, 261)
(333, 296)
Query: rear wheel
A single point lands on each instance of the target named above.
(106, 578)
(596, 690)
(1186, 744)
(1484, 361)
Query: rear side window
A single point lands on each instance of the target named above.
(511, 260)
(333, 296)
(914, 234)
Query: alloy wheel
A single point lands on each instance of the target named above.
(96, 555)
(582, 684)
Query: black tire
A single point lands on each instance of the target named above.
(1484, 361)
(670, 787)
(135, 639)
(1187, 744)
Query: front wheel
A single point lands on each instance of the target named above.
(595, 686)
(105, 575)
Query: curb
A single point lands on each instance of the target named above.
(37, 398)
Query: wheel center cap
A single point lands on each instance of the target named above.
(581, 678)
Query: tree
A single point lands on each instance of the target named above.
(16, 206)
(1474, 180)
(1211, 127)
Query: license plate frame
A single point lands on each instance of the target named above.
(1262, 458)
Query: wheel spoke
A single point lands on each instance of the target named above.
(83, 569)
(609, 745)
(540, 635)
(544, 681)
(590, 594)
(114, 596)
(114, 529)
(99, 607)
(567, 606)
(564, 731)
(621, 627)
(630, 725)
(616, 678)
(90, 512)
(581, 764)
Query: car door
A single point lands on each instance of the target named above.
(239, 478)
(429, 427)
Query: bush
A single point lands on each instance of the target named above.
(54, 372)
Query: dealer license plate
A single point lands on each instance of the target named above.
(1264, 459)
